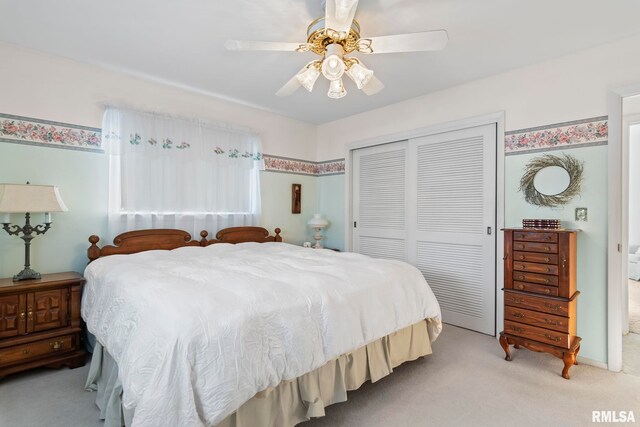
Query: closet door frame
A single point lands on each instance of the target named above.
(493, 118)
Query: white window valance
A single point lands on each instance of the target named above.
(168, 172)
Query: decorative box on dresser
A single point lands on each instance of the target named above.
(40, 323)
(540, 296)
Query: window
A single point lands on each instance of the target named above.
(167, 172)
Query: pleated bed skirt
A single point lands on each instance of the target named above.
(290, 402)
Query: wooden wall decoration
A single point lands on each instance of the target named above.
(296, 198)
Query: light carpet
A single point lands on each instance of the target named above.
(466, 382)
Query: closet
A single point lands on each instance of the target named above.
(431, 201)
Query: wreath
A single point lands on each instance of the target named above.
(574, 168)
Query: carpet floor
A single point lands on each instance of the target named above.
(466, 382)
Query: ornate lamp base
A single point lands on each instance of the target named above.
(26, 274)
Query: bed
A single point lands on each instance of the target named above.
(243, 330)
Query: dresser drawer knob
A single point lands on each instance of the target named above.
(520, 287)
(547, 259)
(551, 322)
(517, 329)
(549, 337)
(516, 300)
(547, 248)
(546, 280)
(25, 352)
(552, 306)
(521, 257)
(56, 345)
(23, 315)
(547, 291)
(518, 315)
(520, 277)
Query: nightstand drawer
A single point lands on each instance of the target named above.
(535, 236)
(548, 336)
(543, 320)
(36, 349)
(535, 288)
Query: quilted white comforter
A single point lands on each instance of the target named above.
(196, 332)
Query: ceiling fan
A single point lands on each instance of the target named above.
(333, 37)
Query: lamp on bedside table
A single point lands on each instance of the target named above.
(28, 199)
(318, 223)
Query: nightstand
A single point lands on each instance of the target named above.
(40, 323)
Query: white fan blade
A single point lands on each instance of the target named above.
(256, 45)
(339, 15)
(416, 42)
(290, 86)
(373, 86)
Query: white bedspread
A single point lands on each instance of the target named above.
(196, 332)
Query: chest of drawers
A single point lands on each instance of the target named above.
(40, 323)
(540, 293)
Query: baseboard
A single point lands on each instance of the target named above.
(591, 362)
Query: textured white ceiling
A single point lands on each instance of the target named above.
(182, 42)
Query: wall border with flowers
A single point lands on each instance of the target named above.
(303, 167)
(559, 136)
(46, 133)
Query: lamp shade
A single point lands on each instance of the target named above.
(22, 198)
(317, 221)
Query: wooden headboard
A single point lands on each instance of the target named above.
(148, 240)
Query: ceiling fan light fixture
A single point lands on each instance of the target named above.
(360, 74)
(308, 76)
(333, 66)
(336, 89)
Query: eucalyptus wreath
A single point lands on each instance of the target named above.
(569, 163)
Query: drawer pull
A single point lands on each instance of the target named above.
(547, 259)
(547, 248)
(520, 287)
(520, 277)
(516, 300)
(25, 352)
(520, 246)
(548, 270)
(521, 257)
(518, 315)
(549, 337)
(551, 322)
(546, 280)
(517, 329)
(56, 345)
(552, 306)
(30, 313)
(22, 315)
(547, 291)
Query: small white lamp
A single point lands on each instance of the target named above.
(28, 199)
(318, 223)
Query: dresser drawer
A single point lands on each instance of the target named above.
(536, 289)
(546, 305)
(535, 333)
(543, 320)
(542, 279)
(535, 268)
(35, 350)
(549, 248)
(535, 257)
(535, 236)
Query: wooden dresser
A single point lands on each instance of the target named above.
(540, 296)
(40, 323)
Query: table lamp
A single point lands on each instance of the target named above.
(318, 223)
(28, 199)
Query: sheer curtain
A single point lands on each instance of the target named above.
(167, 172)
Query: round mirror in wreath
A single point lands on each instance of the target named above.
(551, 181)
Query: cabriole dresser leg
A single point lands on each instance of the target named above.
(505, 346)
(569, 359)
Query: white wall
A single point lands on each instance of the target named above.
(634, 185)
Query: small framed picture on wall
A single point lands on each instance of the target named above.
(296, 198)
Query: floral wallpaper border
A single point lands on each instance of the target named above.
(575, 134)
(46, 133)
(303, 167)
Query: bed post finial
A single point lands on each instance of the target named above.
(278, 237)
(203, 241)
(94, 251)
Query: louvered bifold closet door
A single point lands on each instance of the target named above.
(380, 206)
(453, 246)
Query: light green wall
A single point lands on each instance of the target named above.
(331, 192)
(592, 241)
(275, 190)
(82, 179)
